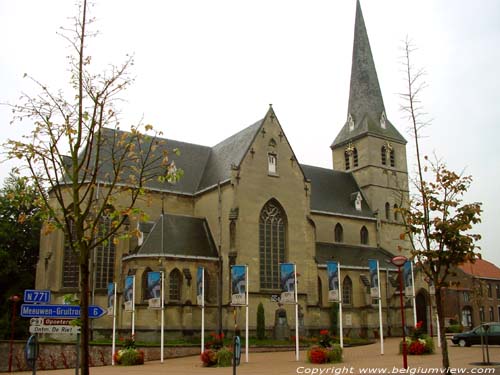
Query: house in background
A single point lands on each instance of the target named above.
(474, 297)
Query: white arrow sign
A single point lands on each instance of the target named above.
(54, 329)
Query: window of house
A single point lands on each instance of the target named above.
(383, 155)
(498, 291)
(383, 121)
(339, 233)
(488, 289)
(104, 255)
(357, 202)
(347, 161)
(393, 158)
(481, 314)
(466, 317)
(387, 211)
(355, 157)
(466, 296)
(492, 314)
(175, 285)
(70, 261)
(272, 164)
(347, 290)
(364, 235)
(272, 244)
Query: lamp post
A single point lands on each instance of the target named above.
(14, 299)
(399, 261)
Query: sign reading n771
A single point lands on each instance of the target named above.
(36, 296)
(58, 311)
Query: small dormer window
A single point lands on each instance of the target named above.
(383, 121)
(272, 164)
(350, 121)
(357, 202)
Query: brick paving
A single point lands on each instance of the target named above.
(283, 363)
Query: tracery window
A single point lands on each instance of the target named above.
(387, 211)
(363, 234)
(383, 155)
(104, 255)
(71, 272)
(347, 161)
(393, 158)
(272, 244)
(347, 290)
(339, 233)
(175, 285)
(355, 157)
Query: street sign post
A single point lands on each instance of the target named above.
(36, 296)
(58, 311)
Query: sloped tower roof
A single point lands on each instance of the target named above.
(366, 105)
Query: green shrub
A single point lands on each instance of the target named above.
(224, 357)
(129, 357)
(335, 354)
(261, 322)
(455, 328)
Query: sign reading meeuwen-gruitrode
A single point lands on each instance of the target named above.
(59, 311)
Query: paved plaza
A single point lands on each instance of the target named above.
(357, 360)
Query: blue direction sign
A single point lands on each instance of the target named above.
(36, 296)
(59, 311)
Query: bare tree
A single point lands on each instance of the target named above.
(437, 221)
(77, 152)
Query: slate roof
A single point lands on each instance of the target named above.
(180, 236)
(366, 103)
(354, 256)
(481, 268)
(332, 191)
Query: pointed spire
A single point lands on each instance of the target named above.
(365, 97)
(366, 111)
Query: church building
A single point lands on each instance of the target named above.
(249, 201)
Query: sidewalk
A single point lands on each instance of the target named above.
(356, 360)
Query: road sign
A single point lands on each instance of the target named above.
(50, 322)
(36, 296)
(54, 329)
(58, 311)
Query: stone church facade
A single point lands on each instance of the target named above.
(248, 200)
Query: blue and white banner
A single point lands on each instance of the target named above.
(332, 269)
(153, 292)
(111, 298)
(408, 278)
(287, 277)
(200, 286)
(374, 281)
(129, 293)
(238, 285)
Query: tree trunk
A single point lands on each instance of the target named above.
(84, 309)
(442, 330)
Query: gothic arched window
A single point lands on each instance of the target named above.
(396, 212)
(339, 233)
(347, 290)
(347, 161)
(387, 211)
(355, 157)
(393, 158)
(175, 285)
(272, 244)
(363, 234)
(70, 261)
(104, 255)
(383, 155)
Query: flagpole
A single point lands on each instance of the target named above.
(162, 314)
(381, 326)
(202, 309)
(413, 296)
(340, 309)
(114, 326)
(296, 314)
(246, 315)
(133, 306)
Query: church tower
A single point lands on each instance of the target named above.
(368, 145)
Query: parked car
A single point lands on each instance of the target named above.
(473, 337)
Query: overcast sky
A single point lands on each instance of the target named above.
(206, 69)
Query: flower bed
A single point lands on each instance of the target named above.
(129, 355)
(215, 353)
(418, 343)
(325, 352)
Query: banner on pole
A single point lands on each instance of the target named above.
(332, 269)
(238, 285)
(200, 287)
(111, 298)
(128, 293)
(287, 276)
(408, 278)
(154, 291)
(374, 282)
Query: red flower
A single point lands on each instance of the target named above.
(324, 332)
(416, 348)
(317, 355)
(419, 325)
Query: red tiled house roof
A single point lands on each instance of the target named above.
(481, 268)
